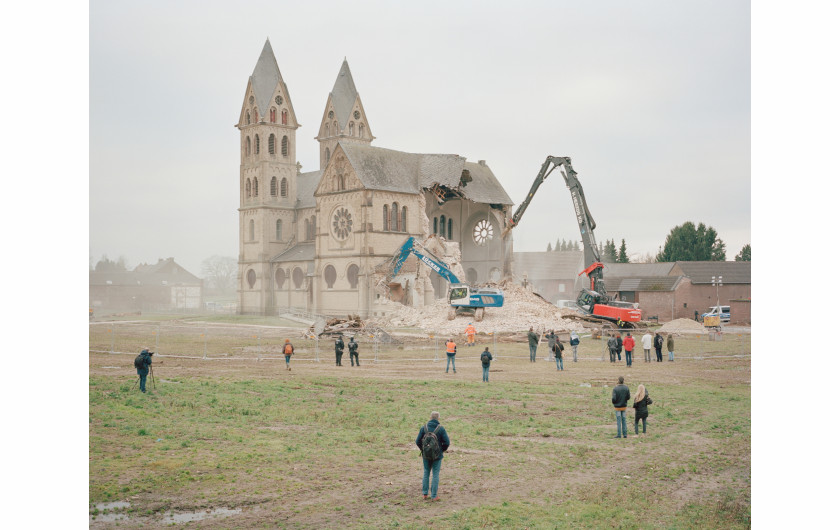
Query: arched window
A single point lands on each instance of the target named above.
(256, 187)
(271, 144)
(284, 187)
(284, 145)
(248, 117)
(248, 188)
(472, 276)
(326, 129)
(312, 227)
(285, 117)
(335, 128)
(252, 278)
(274, 186)
(353, 276)
(248, 146)
(327, 157)
(297, 277)
(351, 128)
(257, 143)
(278, 230)
(385, 217)
(329, 276)
(449, 229)
(394, 218)
(340, 182)
(279, 277)
(404, 218)
(251, 230)
(436, 228)
(256, 115)
(306, 229)
(273, 115)
(361, 129)
(442, 226)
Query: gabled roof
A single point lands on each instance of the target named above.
(344, 94)
(299, 252)
(647, 283)
(559, 265)
(165, 270)
(388, 170)
(306, 185)
(628, 270)
(702, 271)
(265, 78)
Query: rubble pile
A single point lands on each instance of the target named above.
(522, 310)
(333, 325)
(682, 325)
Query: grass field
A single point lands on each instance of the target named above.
(243, 443)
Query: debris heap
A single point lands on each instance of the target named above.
(683, 325)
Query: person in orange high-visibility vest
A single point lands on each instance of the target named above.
(470, 333)
(450, 355)
(288, 351)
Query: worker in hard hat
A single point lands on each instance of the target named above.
(470, 333)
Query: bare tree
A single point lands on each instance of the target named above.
(220, 272)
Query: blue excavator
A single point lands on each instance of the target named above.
(463, 298)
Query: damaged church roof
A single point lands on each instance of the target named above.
(388, 170)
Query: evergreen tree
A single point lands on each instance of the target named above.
(689, 243)
(744, 255)
(622, 253)
(549, 247)
(610, 254)
(557, 245)
(565, 245)
(577, 245)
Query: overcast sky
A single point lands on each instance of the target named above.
(651, 100)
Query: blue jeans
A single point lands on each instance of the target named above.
(628, 355)
(450, 359)
(485, 373)
(434, 467)
(559, 362)
(574, 352)
(621, 422)
(533, 352)
(288, 358)
(670, 356)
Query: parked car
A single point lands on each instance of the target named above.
(721, 311)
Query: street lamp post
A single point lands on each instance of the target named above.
(717, 282)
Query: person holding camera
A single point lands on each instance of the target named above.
(143, 363)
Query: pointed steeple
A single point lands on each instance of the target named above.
(344, 94)
(265, 78)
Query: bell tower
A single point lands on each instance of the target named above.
(344, 117)
(267, 181)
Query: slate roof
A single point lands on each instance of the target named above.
(165, 270)
(701, 272)
(306, 185)
(647, 283)
(344, 94)
(264, 80)
(559, 265)
(299, 252)
(388, 170)
(627, 270)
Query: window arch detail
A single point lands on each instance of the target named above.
(284, 146)
(284, 187)
(274, 186)
(271, 144)
(251, 230)
(330, 276)
(278, 230)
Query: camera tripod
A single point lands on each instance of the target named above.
(151, 378)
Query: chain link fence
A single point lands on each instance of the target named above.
(385, 345)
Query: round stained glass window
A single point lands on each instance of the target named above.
(278, 100)
(356, 114)
(342, 224)
(331, 114)
(483, 232)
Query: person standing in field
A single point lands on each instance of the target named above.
(470, 333)
(657, 345)
(143, 364)
(629, 343)
(646, 343)
(432, 441)
(533, 340)
(640, 402)
(614, 345)
(288, 350)
(670, 346)
(620, 397)
(619, 344)
(574, 340)
(339, 349)
(451, 349)
(353, 348)
(558, 354)
(552, 338)
(486, 357)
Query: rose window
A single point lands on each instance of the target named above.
(483, 232)
(342, 223)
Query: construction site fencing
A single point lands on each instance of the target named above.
(219, 342)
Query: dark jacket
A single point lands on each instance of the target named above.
(620, 396)
(552, 338)
(657, 342)
(641, 406)
(489, 358)
(533, 338)
(339, 345)
(147, 362)
(614, 344)
(443, 438)
(353, 346)
(558, 350)
(575, 340)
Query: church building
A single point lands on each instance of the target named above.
(312, 241)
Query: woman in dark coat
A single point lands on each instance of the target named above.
(640, 402)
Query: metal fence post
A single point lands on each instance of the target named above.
(157, 337)
(316, 349)
(205, 343)
(113, 334)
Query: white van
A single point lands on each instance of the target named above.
(718, 310)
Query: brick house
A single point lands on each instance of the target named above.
(162, 286)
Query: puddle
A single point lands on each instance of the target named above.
(111, 516)
(186, 517)
(114, 367)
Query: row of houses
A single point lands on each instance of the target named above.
(161, 286)
(664, 291)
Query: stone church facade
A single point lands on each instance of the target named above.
(312, 241)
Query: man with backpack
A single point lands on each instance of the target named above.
(288, 350)
(657, 345)
(451, 349)
(143, 363)
(558, 354)
(339, 349)
(353, 348)
(574, 340)
(432, 441)
(486, 357)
